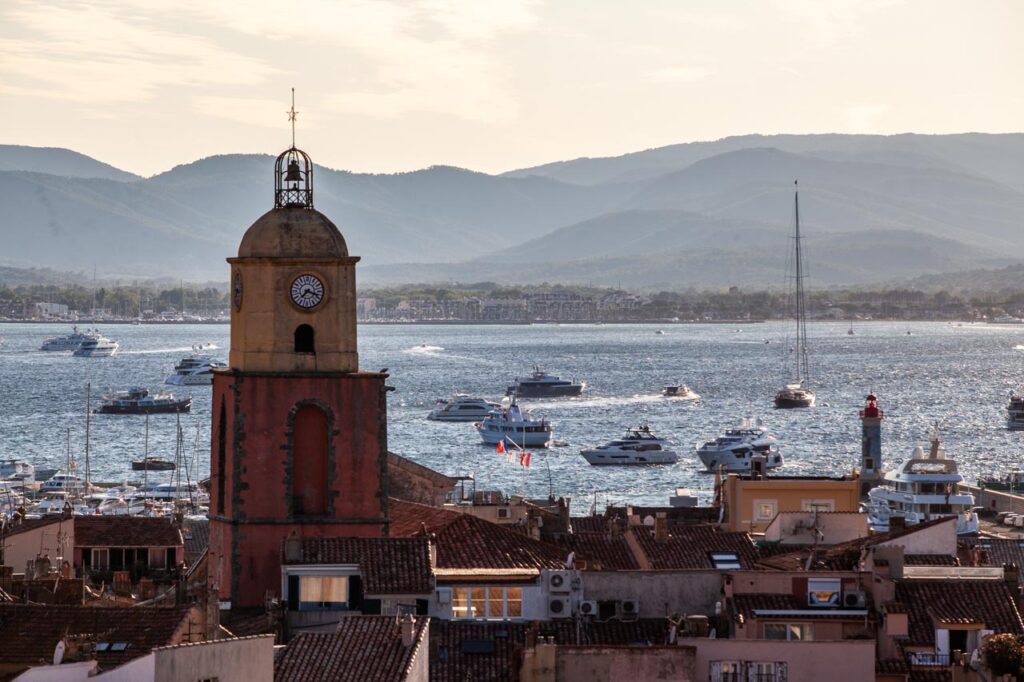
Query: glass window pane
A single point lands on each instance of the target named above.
(460, 602)
(496, 602)
(774, 631)
(311, 589)
(478, 596)
(336, 589)
(796, 632)
(514, 600)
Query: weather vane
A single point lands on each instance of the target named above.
(292, 114)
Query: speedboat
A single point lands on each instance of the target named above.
(736, 449)
(196, 369)
(1015, 413)
(638, 446)
(67, 343)
(540, 384)
(921, 489)
(462, 408)
(96, 346)
(514, 425)
(139, 401)
(681, 391)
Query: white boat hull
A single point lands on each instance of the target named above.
(531, 439)
(621, 458)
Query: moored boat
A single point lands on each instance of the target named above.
(736, 448)
(795, 394)
(514, 425)
(1015, 413)
(138, 400)
(638, 447)
(152, 464)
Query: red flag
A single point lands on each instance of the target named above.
(525, 459)
(501, 447)
(522, 455)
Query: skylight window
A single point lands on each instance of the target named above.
(725, 560)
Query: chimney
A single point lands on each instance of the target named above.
(661, 527)
(408, 625)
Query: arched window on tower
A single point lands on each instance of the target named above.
(310, 471)
(305, 339)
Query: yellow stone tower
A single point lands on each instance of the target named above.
(293, 284)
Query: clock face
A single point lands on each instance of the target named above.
(307, 291)
(238, 290)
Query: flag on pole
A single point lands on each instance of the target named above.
(501, 447)
(526, 459)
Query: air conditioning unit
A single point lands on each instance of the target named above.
(559, 581)
(855, 600)
(444, 596)
(588, 608)
(628, 608)
(559, 607)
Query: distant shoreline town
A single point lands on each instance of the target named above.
(489, 303)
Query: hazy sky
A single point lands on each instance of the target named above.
(493, 84)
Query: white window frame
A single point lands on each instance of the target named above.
(463, 594)
(818, 505)
(94, 561)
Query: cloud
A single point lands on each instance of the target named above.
(677, 74)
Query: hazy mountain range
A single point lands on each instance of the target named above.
(873, 208)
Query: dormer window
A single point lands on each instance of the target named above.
(725, 560)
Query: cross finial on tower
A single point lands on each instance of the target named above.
(292, 114)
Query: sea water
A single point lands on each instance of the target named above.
(957, 375)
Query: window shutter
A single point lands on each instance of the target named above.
(716, 671)
(293, 592)
(355, 593)
(781, 672)
(751, 672)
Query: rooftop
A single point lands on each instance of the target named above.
(387, 565)
(363, 649)
(126, 531)
(985, 602)
(691, 547)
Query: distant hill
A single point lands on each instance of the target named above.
(873, 208)
(56, 161)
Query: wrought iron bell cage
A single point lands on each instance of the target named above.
(293, 180)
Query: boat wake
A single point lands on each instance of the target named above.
(157, 351)
(424, 349)
(1019, 347)
(583, 403)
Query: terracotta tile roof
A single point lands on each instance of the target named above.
(126, 531)
(11, 528)
(388, 565)
(896, 666)
(247, 621)
(487, 652)
(744, 605)
(598, 551)
(675, 515)
(589, 524)
(363, 649)
(843, 556)
(995, 551)
(196, 534)
(464, 541)
(929, 560)
(29, 633)
(931, 676)
(957, 602)
(409, 518)
(690, 547)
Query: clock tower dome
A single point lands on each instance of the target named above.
(299, 437)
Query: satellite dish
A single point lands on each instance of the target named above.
(58, 652)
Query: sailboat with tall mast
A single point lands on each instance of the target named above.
(797, 394)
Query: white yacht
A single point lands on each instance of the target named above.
(195, 370)
(540, 384)
(921, 489)
(680, 391)
(462, 408)
(67, 343)
(16, 470)
(737, 447)
(58, 503)
(96, 346)
(1015, 413)
(514, 425)
(639, 446)
(62, 482)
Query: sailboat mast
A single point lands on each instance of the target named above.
(801, 312)
(88, 411)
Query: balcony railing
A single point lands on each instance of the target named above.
(927, 658)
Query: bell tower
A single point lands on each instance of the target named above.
(299, 436)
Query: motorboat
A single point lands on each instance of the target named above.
(138, 400)
(736, 449)
(638, 447)
(16, 470)
(1015, 413)
(62, 482)
(540, 384)
(71, 342)
(796, 394)
(462, 408)
(514, 425)
(169, 492)
(58, 502)
(195, 370)
(680, 391)
(1013, 482)
(923, 488)
(96, 346)
(153, 464)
